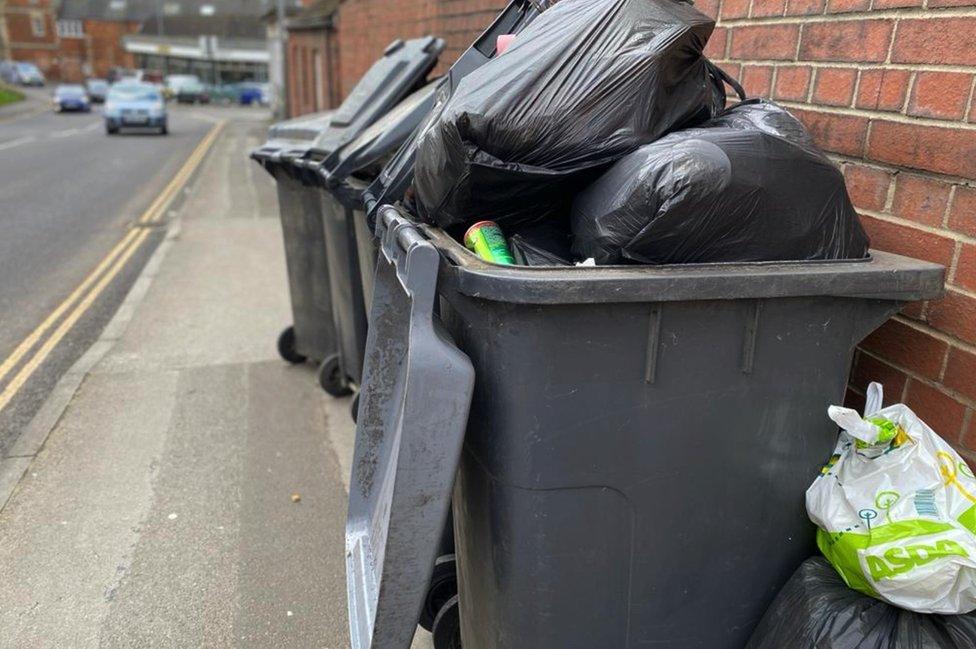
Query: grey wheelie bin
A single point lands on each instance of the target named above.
(403, 66)
(311, 336)
(342, 178)
(626, 448)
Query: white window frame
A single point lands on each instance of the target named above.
(38, 26)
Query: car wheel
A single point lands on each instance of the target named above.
(163, 130)
(111, 130)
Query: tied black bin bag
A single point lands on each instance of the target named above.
(816, 610)
(749, 185)
(585, 83)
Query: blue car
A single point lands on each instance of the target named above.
(131, 104)
(71, 98)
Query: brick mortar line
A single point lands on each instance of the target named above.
(929, 330)
(862, 66)
(964, 401)
(878, 116)
(896, 170)
(930, 229)
(916, 13)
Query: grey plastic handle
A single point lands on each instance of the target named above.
(413, 412)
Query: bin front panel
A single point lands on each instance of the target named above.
(633, 474)
(345, 286)
(305, 258)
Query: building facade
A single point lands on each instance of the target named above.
(28, 33)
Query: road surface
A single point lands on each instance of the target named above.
(68, 194)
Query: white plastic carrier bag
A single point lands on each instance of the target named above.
(896, 510)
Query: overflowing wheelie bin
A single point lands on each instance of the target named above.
(292, 154)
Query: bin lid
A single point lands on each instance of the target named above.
(402, 67)
(382, 138)
(291, 138)
(413, 412)
(397, 175)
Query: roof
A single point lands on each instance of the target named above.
(140, 10)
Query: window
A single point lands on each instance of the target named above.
(37, 25)
(207, 10)
(70, 29)
(116, 5)
(171, 9)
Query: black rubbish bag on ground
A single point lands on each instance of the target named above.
(817, 610)
(587, 82)
(749, 185)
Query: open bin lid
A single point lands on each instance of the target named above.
(402, 67)
(382, 138)
(407, 451)
(397, 175)
(291, 138)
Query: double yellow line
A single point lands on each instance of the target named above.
(82, 298)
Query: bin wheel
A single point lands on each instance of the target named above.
(331, 378)
(286, 347)
(354, 409)
(443, 586)
(447, 626)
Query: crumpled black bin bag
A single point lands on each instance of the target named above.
(587, 82)
(817, 610)
(749, 185)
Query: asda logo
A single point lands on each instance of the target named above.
(897, 561)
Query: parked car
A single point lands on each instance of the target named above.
(8, 72)
(28, 74)
(225, 94)
(71, 97)
(137, 105)
(253, 93)
(192, 92)
(97, 90)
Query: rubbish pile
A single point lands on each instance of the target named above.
(604, 124)
(895, 509)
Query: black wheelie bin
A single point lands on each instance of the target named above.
(403, 67)
(342, 178)
(626, 448)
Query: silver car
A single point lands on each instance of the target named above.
(138, 105)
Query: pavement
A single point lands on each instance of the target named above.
(68, 194)
(156, 505)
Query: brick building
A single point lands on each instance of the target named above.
(27, 33)
(313, 59)
(886, 87)
(91, 36)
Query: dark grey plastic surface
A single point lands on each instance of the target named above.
(402, 67)
(412, 413)
(301, 224)
(397, 175)
(639, 441)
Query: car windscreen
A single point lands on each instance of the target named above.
(99, 86)
(70, 91)
(28, 68)
(133, 93)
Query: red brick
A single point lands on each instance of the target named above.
(715, 49)
(843, 6)
(947, 41)
(834, 86)
(914, 310)
(766, 8)
(960, 373)
(942, 413)
(942, 150)
(955, 314)
(909, 241)
(793, 82)
(968, 439)
(920, 199)
(732, 69)
(757, 80)
(908, 347)
(853, 40)
(942, 95)
(869, 369)
(951, 3)
(805, 7)
(962, 213)
(883, 89)
(965, 275)
(895, 4)
(867, 186)
(854, 400)
(735, 9)
(770, 42)
(839, 133)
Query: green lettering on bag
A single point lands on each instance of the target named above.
(897, 561)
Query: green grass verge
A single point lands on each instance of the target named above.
(9, 95)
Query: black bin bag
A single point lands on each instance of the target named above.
(748, 185)
(817, 610)
(587, 82)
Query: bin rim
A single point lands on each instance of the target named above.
(881, 275)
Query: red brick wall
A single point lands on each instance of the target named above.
(366, 27)
(23, 44)
(302, 95)
(105, 50)
(887, 86)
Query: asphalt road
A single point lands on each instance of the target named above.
(68, 194)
